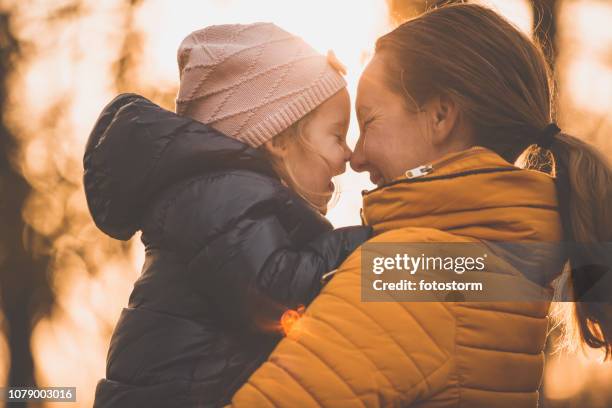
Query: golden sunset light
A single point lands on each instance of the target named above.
(64, 60)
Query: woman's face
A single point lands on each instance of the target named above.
(392, 138)
(325, 132)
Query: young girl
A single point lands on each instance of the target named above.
(229, 193)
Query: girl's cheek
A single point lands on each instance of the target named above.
(337, 151)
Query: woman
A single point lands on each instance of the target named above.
(449, 101)
(230, 196)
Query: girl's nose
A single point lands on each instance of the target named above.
(347, 153)
(341, 166)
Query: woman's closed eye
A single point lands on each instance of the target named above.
(367, 123)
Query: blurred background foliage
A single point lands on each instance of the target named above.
(63, 283)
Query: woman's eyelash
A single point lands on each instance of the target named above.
(367, 122)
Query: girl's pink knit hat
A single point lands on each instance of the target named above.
(251, 81)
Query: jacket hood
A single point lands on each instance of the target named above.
(474, 193)
(137, 148)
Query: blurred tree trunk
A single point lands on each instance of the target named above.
(24, 289)
(128, 60)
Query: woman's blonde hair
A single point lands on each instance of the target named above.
(501, 80)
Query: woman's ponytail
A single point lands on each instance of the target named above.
(584, 183)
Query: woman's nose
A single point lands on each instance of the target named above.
(358, 159)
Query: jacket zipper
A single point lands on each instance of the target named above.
(414, 174)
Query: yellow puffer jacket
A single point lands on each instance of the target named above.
(348, 353)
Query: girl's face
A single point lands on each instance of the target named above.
(322, 153)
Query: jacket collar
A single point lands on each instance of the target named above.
(474, 193)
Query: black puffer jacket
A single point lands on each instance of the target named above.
(228, 249)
